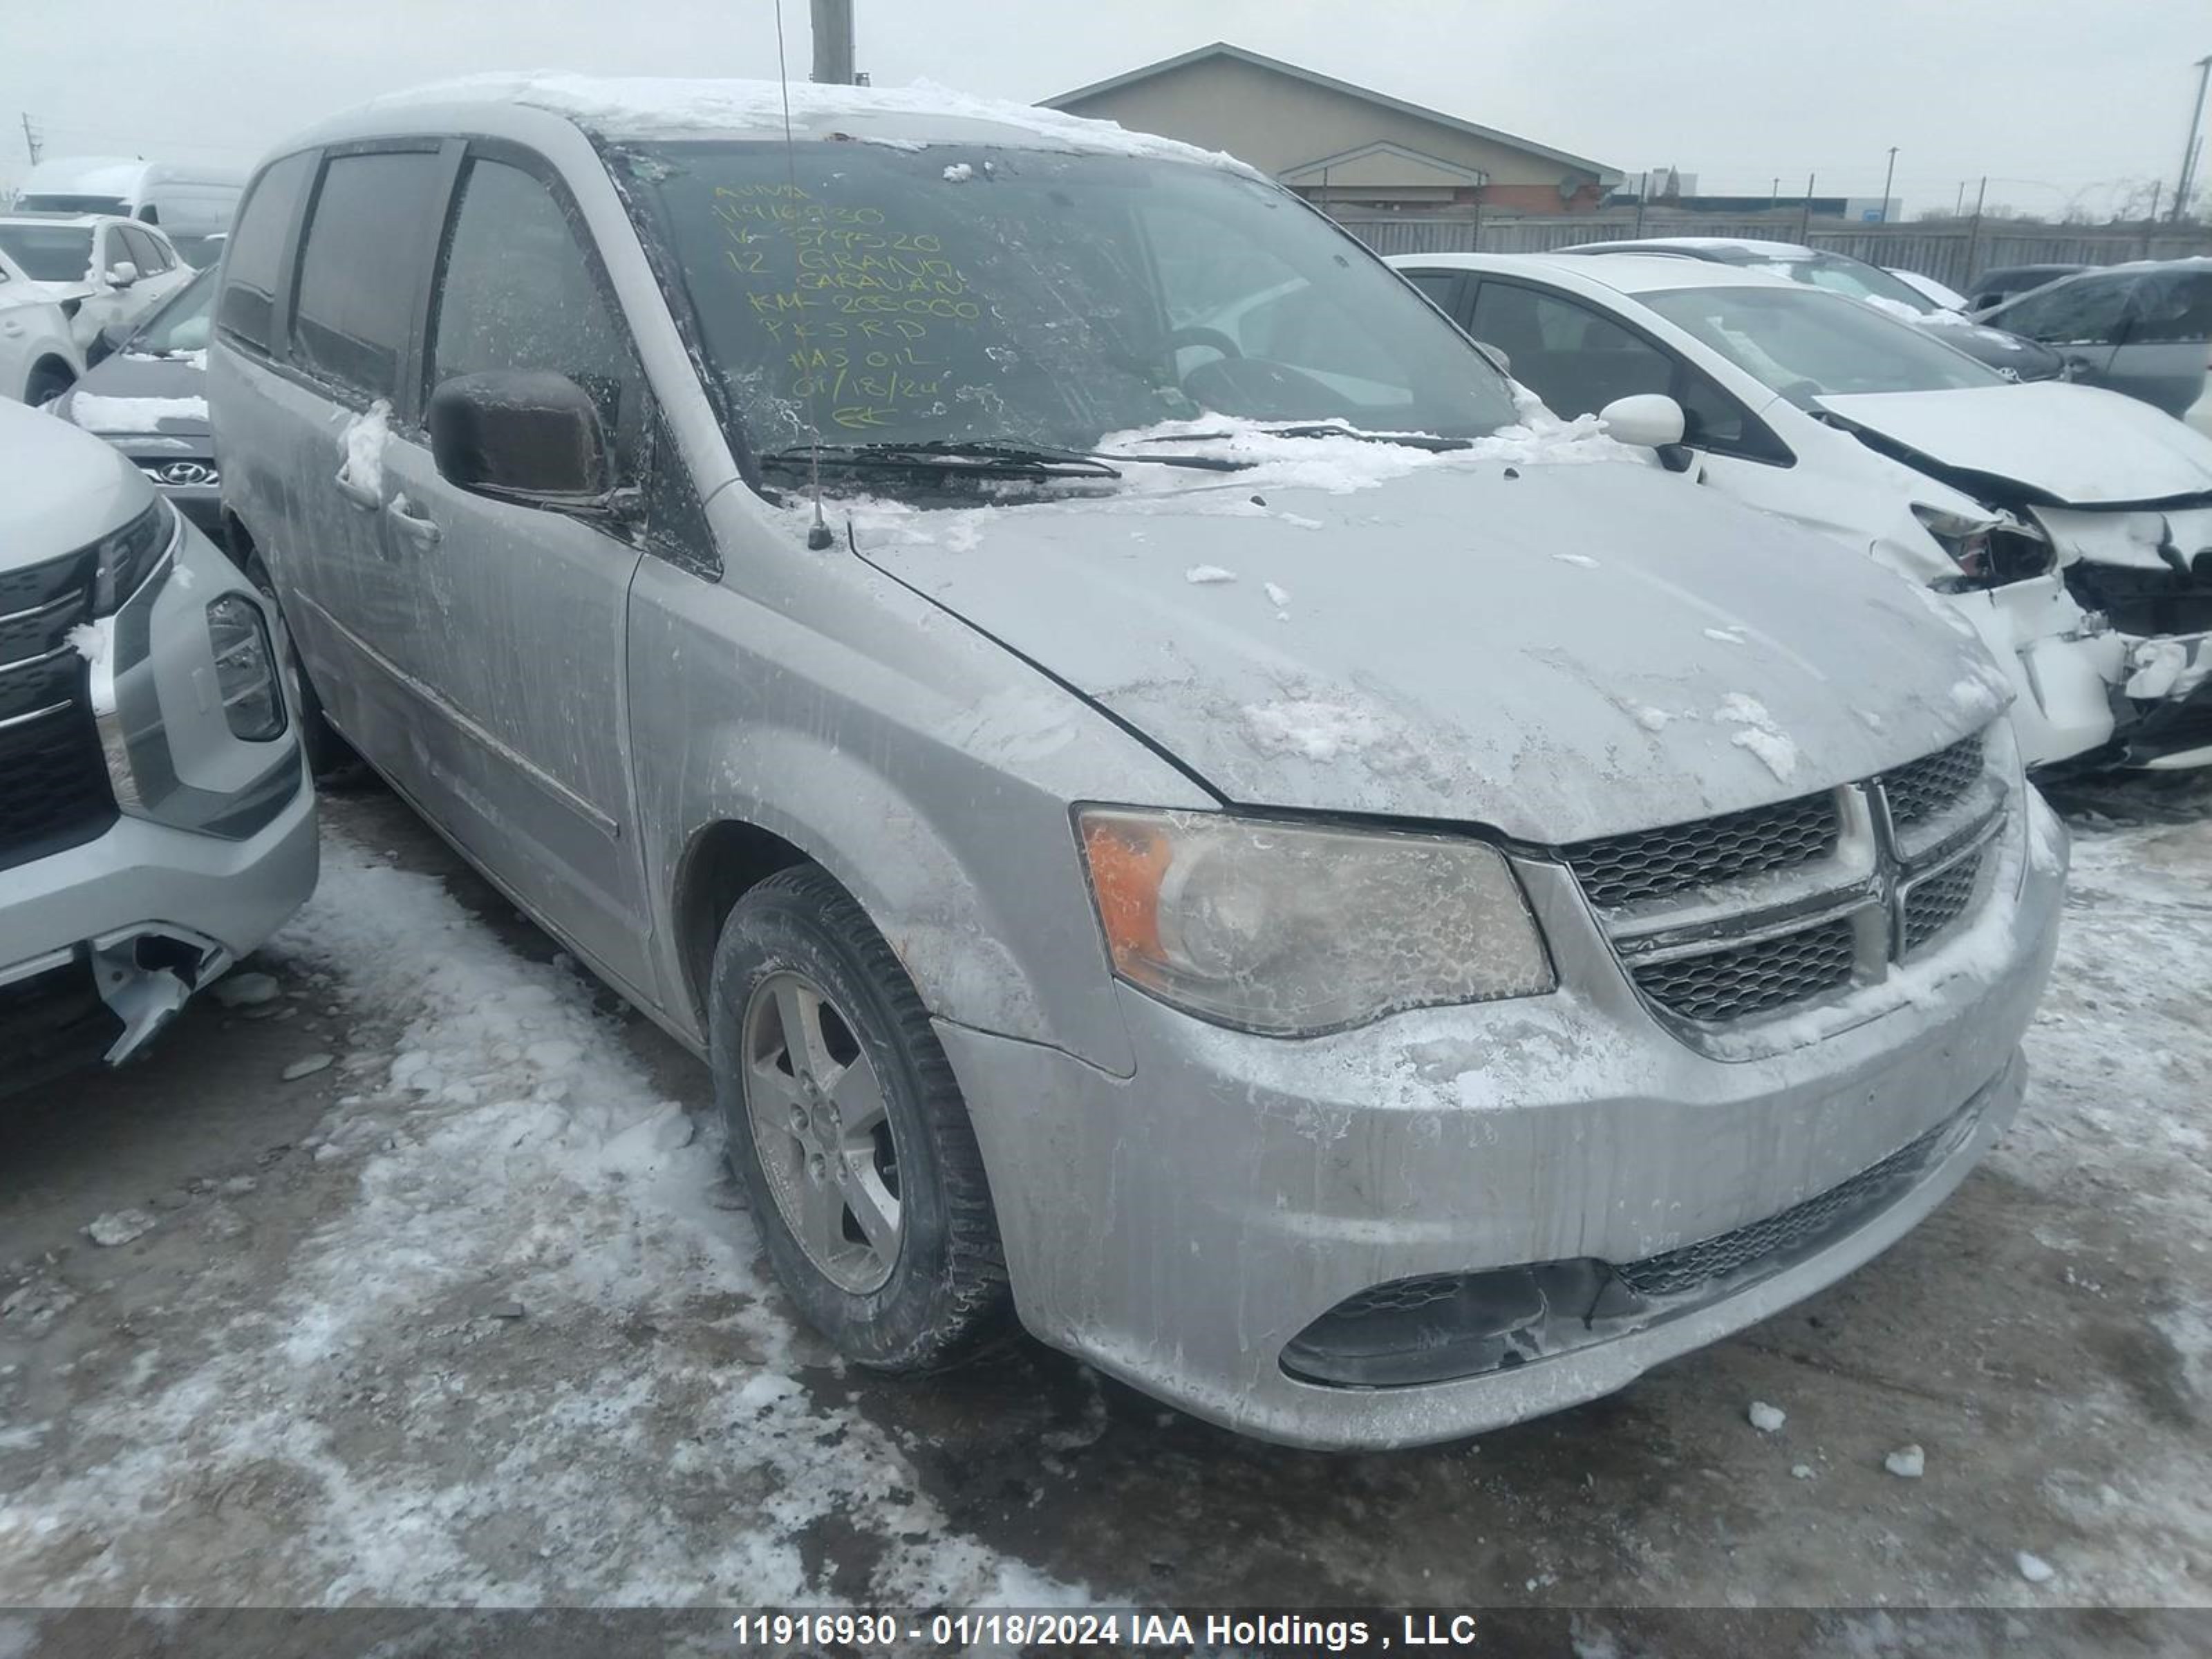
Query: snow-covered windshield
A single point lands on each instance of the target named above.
(49, 253)
(907, 295)
(182, 324)
(1803, 343)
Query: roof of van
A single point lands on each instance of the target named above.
(905, 118)
(118, 175)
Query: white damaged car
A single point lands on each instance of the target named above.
(2071, 527)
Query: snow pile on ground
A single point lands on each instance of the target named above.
(514, 1162)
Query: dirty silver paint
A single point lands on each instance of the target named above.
(1178, 1198)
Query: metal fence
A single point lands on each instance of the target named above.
(1953, 254)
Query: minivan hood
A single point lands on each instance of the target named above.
(2072, 445)
(1557, 652)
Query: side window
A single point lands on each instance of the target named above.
(139, 248)
(363, 250)
(257, 248)
(2087, 311)
(2171, 308)
(1442, 288)
(516, 291)
(1573, 358)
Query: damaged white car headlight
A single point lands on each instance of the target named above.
(1999, 547)
(1291, 930)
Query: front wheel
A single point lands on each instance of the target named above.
(848, 1131)
(46, 385)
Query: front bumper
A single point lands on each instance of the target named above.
(1180, 1227)
(202, 844)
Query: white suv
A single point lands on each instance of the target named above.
(39, 358)
(156, 821)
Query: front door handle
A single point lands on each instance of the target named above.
(422, 531)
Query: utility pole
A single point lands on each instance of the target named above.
(1958, 206)
(1805, 218)
(1974, 230)
(2182, 190)
(30, 139)
(1774, 194)
(1886, 178)
(833, 42)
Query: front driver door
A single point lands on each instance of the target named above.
(520, 612)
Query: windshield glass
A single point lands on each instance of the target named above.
(1852, 277)
(49, 253)
(50, 203)
(1802, 342)
(181, 324)
(931, 295)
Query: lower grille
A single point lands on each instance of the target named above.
(1931, 906)
(1696, 1265)
(1751, 979)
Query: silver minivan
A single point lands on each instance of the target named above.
(1174, 807)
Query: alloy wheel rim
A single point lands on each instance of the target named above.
(822, 1132)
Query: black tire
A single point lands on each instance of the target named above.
(946, 1293)
(328, 754)
(46, 384)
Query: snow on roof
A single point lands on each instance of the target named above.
(650, 107)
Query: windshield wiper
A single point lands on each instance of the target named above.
(1329, 429)
(990, 457)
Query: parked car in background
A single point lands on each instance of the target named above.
(156, 822)
(2072, 528)
(40, 357)
(147, 397)
(2144, 329)
(1939, 294)
(102, 269)
(1999, 282)
(2014, 358)
(1170, 829)
(192, 203)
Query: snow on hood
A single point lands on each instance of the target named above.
(1418, 647)
(2073, 445)
(640, 106)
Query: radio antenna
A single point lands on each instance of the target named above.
(818, 538)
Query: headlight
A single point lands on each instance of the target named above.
(245, 669)
(1291, 930)
(1998, 549)
(128, 557)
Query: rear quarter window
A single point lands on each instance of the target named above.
(256, 249)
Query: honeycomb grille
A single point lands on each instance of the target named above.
(1925, 787)
(1696, 1265)
(1401, 1296)
(1621, 869)
(1933, 905)
(1751, 979)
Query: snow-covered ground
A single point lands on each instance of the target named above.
(470, 1315)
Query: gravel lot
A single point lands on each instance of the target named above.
(469, 1315)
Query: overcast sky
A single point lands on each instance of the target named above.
(2060, 101)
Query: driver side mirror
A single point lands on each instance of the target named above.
(122, 274)
(524, 435)
(1649, 420)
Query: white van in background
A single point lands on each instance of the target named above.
(193, 204)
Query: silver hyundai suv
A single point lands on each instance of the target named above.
(1173, 803)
